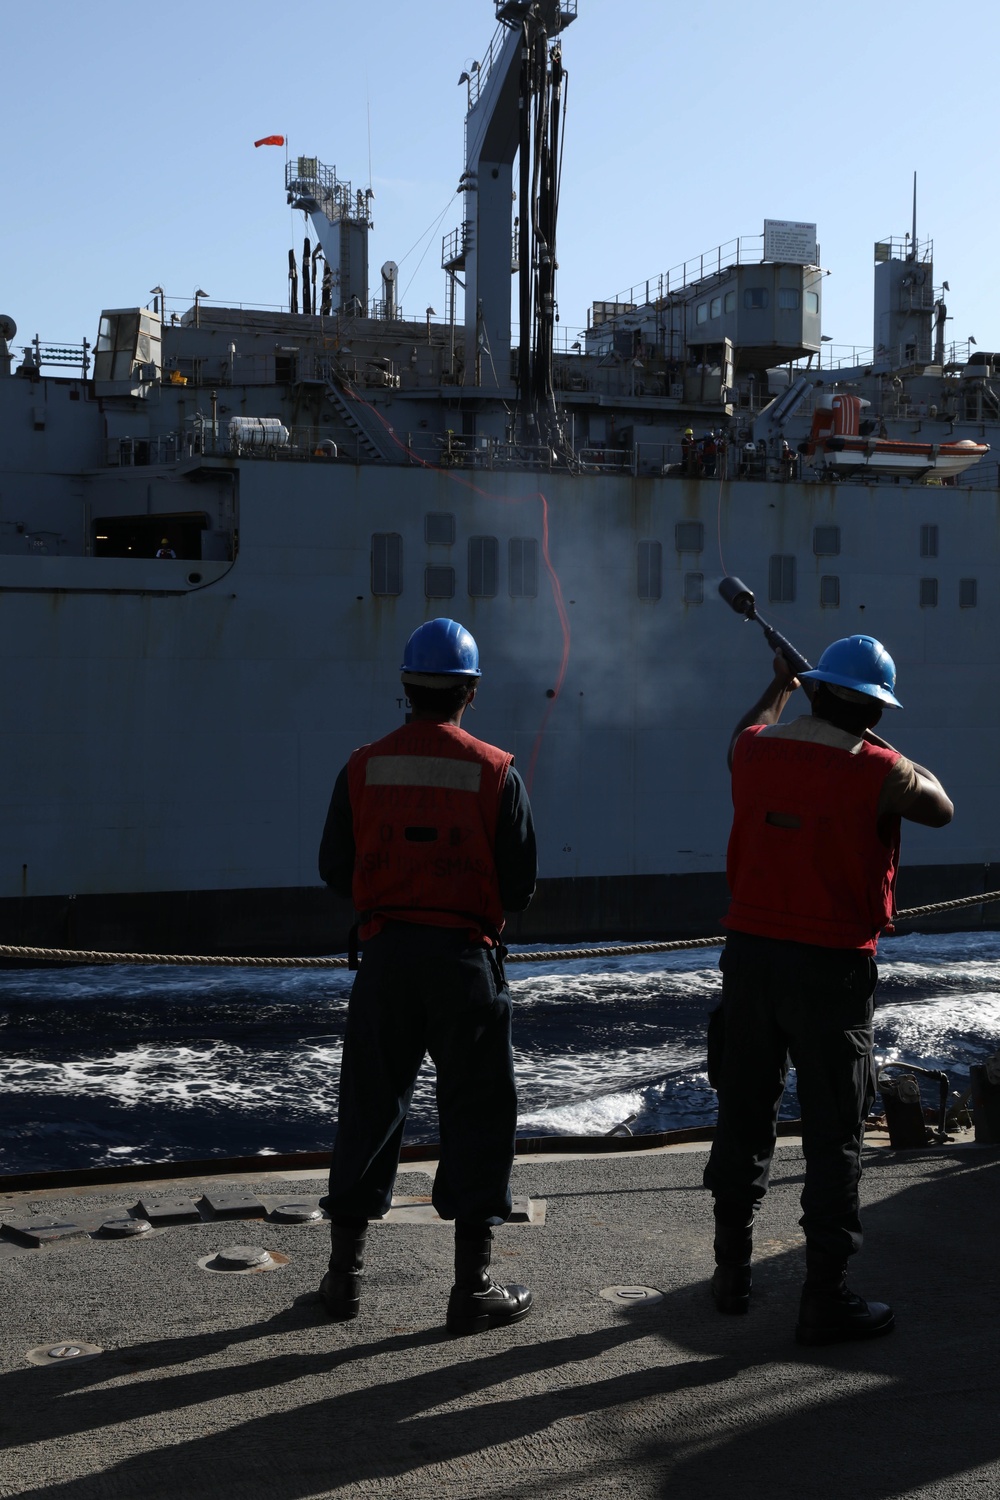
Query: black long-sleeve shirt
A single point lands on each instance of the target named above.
(515, 854)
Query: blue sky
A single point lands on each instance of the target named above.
(129, 162)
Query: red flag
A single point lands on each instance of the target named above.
(270, 140)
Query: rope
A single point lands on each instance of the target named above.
(555, 955)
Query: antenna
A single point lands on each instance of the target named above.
(368, 102)
(913, 241)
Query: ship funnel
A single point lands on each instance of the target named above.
(390, 279)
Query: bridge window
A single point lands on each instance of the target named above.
(968, 591)
(788, 297)
(730, 302)
(928, 593)
(522, 567)
(387, 563)
(812, 302)
(781, 579)
(928, 541)
(755, 297)
(715, 307)
(829, 590)
(650, 570)
(701, 313)
(484, 566)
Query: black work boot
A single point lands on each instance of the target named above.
(477, 1302)
(830, 1313)
(732, 1279)
(340, 1289)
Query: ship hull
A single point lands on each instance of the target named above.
(309, 921)
(168, 768)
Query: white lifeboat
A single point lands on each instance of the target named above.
(836, 437)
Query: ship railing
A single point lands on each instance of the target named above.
(628, 380)
(532, 456)
(733, 459)
(745, 249)
(657, 458)
(752, 395)
(481, 70)
(980, 403)
(64, 356)
(981, 476)
(454, 248)
(468, 453)
(478, 73)
(201, 440)
(307, 443)
(449, 451)
(901, 357)
(382, 311)
(895, 248)
(598, 460)
(129, 452)
(570, 378)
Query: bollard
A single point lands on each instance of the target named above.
(904, 1111)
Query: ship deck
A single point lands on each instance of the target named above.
(237, 1384)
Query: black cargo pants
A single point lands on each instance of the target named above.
(813, 1005)
(426, 989)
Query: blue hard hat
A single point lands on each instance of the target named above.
(441, 648)
(861, 663)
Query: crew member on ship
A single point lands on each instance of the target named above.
(787, 460)
(812, 862)
(690, 456)
(165, 549)
(430, 834)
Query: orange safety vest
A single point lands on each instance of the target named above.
(425, 801)
(805, 863)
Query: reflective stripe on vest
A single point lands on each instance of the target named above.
(424, 770)
(425, 801)
(805, 862)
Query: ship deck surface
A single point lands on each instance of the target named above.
(239, 1386)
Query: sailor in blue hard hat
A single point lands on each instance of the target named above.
(430, 835)
(857, 667)
(811, 864)
(438, 652)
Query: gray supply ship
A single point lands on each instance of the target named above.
(217, 530)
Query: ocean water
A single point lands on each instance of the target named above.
(102, 1066)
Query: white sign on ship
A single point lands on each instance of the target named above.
(785, 239)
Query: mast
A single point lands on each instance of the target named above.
(511, 114)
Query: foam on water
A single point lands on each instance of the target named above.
(107, 1064)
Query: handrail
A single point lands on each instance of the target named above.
(688, 272)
